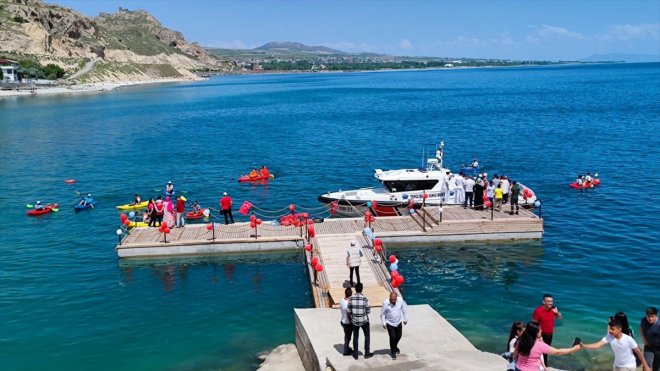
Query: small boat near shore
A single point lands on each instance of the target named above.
(403, 189)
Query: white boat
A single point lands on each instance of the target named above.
(404, 189)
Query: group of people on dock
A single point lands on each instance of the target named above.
(168, 211)
(470, 191)
(173, 212)
(529, 345)
(355, 312)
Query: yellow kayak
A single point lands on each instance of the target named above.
(137, 224)
(139, 206)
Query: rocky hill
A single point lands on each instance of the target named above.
(123, 46)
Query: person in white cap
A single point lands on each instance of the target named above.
(353, 260)
(169, 189)
(225, 206)
(38, 206)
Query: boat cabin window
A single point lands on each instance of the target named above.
(409, 185)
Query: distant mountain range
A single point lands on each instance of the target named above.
(287, 49)
(622, 57)
(297, 48)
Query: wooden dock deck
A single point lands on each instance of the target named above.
(457, 224)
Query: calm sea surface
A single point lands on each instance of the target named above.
(68, 303)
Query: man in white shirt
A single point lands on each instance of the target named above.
(469, 192)
(505, 189)
(393, 315)
(346, 321)
(623, 347)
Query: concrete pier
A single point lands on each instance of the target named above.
(429, 343)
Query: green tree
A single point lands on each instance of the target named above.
(53, 71)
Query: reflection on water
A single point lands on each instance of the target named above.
(497, 262)
(174, 271)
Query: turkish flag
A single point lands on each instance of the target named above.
(245, 208)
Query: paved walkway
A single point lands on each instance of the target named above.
(429, 343)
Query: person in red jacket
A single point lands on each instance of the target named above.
(225, 206)
(180, 210)
(545, 315)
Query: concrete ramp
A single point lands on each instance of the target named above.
(429, 343)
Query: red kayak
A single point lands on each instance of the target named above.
(585, 185)
(195, 215)
(47, 209)
(247, 178)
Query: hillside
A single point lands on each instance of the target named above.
(297, 48)
(123, 46)
(294, 56)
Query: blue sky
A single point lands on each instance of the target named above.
(520, 29)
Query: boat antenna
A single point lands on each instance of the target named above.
(440, 152)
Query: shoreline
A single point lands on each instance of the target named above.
(98, 87)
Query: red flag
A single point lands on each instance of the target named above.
(245, 208)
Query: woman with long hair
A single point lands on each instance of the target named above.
(530, 349)
(517, 329)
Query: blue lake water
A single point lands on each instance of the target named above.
(68, 303)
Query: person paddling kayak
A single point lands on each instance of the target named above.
(169, 189)
(86, 200)
(136, 200)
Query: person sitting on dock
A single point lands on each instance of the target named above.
(136, 200)
(254, 174)
(38, 206)
(264, 172)
(169, 189)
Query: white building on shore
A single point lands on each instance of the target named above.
(9, 70)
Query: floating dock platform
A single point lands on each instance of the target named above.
(428, 226)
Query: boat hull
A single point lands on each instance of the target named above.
(394, 204)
